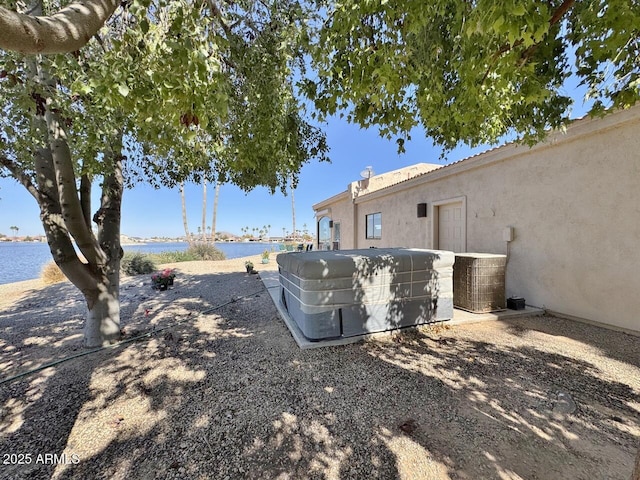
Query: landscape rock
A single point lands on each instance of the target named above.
(564, 405)
(227, 393)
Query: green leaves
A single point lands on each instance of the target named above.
(123, 90)
(464, 71)
(472, 72)
(200, 89)
(518, 9)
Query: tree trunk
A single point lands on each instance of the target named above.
(215, 212)
(65, 214)
(55, 229)
(184, 214)
(62, 166)
(99, 286)
(204, 210)
(636, 471)
(103, 321)
(102, 325)
(85, 198)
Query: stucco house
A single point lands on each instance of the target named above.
(566, 212)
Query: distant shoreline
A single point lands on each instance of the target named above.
(24, 261)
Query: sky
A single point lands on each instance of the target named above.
(147, 212)
(150, 213)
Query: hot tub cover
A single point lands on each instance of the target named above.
(342, 293)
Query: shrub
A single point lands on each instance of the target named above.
(134, 263)
(205, 251)
(172, 257)
(198, 251)
(51, 274)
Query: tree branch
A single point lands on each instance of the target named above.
(55, 229)
(218, 14)
(65, 31)
(555, 18)
(560, 11)
(108, 216)
(20, 176)
(85, 199)
(526, 55)
(66, 183)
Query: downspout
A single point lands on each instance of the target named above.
(353, 193)
(355, 224)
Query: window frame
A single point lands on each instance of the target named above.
(371, 235)
(324, 242)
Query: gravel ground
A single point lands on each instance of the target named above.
(218, 389)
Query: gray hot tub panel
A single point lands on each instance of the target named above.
(354, 292)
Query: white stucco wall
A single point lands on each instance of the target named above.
(341, 208)
(574, 204)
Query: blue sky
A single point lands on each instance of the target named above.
(147, 212)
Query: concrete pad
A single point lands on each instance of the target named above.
(460, 317)
(463, 317)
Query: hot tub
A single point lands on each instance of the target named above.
(344, 293)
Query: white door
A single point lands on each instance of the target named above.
(450, 227)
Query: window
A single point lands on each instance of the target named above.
(374, 225)
(324, 233)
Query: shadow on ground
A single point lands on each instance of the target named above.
(228, 394)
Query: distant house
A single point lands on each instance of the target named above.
(566, 212)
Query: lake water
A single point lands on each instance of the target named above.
(23, 261)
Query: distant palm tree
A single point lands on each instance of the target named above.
(204, 210)
(184, 213)
(215, 212)
(15, 229)
(269, 232)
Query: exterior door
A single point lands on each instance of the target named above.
(450, 227)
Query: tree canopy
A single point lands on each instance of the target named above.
(200, 90)
(166, 91)
(473, 71)
(464, 71)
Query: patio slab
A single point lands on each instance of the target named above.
(460, 317)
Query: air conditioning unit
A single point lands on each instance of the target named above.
(478, 282)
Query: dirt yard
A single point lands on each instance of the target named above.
(218, 389)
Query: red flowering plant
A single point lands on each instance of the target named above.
(161, 280)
